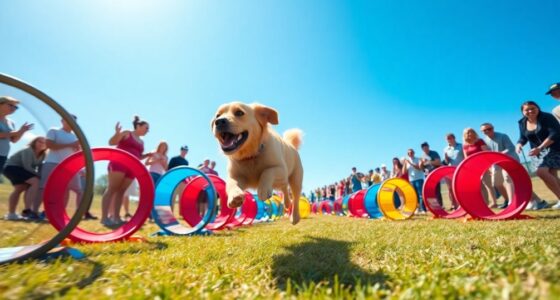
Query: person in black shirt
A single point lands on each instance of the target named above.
(542, 131)
(179, 160)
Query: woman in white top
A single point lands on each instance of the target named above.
(158, 161)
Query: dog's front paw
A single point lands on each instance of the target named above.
(264, 193)
(235, 199)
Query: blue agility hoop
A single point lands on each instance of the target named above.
(162, 212)
(370, 202)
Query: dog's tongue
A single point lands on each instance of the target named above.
(228, 140)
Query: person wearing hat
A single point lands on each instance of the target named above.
(554, 92)
(8, 106)
(180, 159)
(385, 174)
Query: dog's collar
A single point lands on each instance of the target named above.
(261, 148)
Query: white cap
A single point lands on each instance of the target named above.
(383, 166)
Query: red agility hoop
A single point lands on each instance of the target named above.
(467, 183)
(189, 200)
(326, 207)
(247, 213)
(64, 172)
(429, 193)
(356, 205)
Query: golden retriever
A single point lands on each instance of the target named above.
(258, 157)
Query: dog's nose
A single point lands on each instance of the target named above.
(221, 122)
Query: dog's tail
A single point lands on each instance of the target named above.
(294, 137)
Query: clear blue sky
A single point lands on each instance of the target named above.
(365, 80)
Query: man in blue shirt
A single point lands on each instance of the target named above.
(356, 182)
(429, 161)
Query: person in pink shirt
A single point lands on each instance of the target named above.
(473, 144)
(119, 176)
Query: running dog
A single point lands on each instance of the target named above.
(258, 157)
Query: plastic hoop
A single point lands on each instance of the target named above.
(20, 253)
(68, 168)
(189, 199)
(163, 201)
(385, 198)
(467, 183)
(429, 193)
(370, 202)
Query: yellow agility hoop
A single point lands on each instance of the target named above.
(385, 199)
(304, 207)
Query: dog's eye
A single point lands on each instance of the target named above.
(239, 113)
(217, 116)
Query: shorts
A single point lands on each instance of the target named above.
(74, 185)
(551, 160)
(118, 167)
(2, 162)
(499, 176)
(18, 175)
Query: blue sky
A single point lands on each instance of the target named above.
(365, 80)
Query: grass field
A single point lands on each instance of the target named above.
(322, 257)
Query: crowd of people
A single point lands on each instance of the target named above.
(536, 127)
(29, 168)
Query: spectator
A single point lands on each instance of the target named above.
(369, 178)
(8, 106)
(453, 153)
(500, 142)
(61, 143)
(429, 161)
(157, 162)
(205, 167)
(416, 176)
(471, 145)
(397, 171)
(22, 169)
(542, 131)
(180, 159)
(119, 176)
(385, 174)
(554, 92)
(356, 180)
(213, 168)
(376, 176)
(453, 156)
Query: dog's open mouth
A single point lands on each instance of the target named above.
(231, 142)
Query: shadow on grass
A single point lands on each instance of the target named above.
(321, 261)
(96, 272)
(129, 248)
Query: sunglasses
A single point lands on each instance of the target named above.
(12, 106)
(487, 129)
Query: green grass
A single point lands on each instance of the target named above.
(322, 257)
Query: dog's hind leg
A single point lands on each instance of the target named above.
(295, 187)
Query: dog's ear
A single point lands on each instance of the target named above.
(265, 114)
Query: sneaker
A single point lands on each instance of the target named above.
(12, 217)
(26, 213)
(89, 216)
(108, 223)
(33, 216)
(556, 206)
(504, 205)
(531, 205)
(542, 205)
